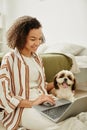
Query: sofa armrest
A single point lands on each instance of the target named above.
(55, 62)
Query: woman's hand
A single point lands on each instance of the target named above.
(43, 98)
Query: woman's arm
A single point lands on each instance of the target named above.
(49, 86)
(25, 103)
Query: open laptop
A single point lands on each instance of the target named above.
(63, 109)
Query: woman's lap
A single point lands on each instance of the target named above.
(33, 120)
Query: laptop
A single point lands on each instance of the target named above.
(63, 109)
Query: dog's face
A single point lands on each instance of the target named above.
(65, 79)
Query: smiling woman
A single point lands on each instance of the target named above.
(23, 81)
(22, 76)
(33, 40)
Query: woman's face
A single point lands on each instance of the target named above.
(33, 40)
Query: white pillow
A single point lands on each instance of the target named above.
(72, 49)
(42, 48)
(83, 52)
(61, 48)
(55, 48)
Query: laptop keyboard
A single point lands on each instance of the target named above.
(56, 111)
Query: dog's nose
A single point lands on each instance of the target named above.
(65, 79)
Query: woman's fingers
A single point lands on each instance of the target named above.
(44, 98)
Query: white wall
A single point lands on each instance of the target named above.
(63, 20)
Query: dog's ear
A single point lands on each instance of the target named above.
(74, 85)
(55, 83)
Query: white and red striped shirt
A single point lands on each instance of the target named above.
(14, 86)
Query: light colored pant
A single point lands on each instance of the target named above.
(33, 120)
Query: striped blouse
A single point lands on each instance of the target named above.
(14, 86)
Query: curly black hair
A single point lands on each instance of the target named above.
(17, 33)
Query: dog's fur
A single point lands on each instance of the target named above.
(64, 85)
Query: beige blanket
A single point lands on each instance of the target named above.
(74, 123)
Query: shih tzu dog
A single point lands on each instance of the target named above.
(64, 85)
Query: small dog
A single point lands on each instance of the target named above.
(64, 85)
